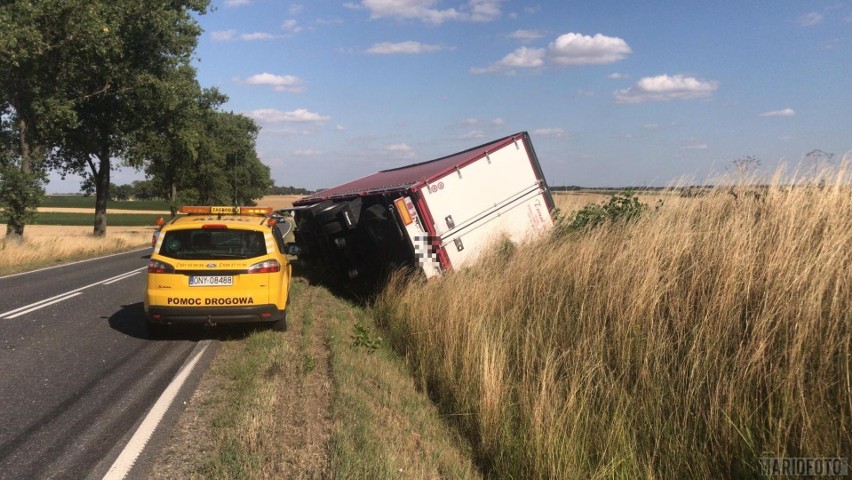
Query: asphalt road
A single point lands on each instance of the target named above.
(78, 372)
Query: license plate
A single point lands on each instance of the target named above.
(211, 281)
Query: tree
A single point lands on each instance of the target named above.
(196, 154)
(168, 147)
(144, 190)
(228, 170)
(20, 190)
(33, 102)
(117, 81)
(120, 193)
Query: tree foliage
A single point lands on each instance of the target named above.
(196, 154)
(621, 207)
(20, 191)
(81, 77)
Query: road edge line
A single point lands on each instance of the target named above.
(128, 456)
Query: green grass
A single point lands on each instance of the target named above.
(263, 417)
(243, 404)
(72, 201)
(87, 219)
(388, 429)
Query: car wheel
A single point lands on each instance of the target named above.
(155, 330)
(280, 325)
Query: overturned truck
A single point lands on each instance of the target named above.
(435, 216)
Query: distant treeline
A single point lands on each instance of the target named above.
(148, 190)
(577, 188)
(686, 191)
(274, 190)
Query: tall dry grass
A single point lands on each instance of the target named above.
(46, 245)
(688, 344)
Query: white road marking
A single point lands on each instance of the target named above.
(65, 296)
(42, 304)
(121, 277)
(122, 465)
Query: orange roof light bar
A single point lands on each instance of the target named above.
(224, 210)
(254, 210)
(192, 209)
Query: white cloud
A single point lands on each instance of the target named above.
(549, 132)
(472, 135)
(427, 11)
(567, 50)
(249, 37)
(223, 35)
(665, 88)
(484, 10)
(291, 26)
(695, 146)
(577, 49)
(408, 48)
(400, 149)
(786, 112)
(237, 3)
(617, 76)
(498, 122)
(296, 9)
(810, 19)
(289, 132)
(521, 58)
(227, 35)
(307, 153)
(272, 115)
(525, 35)
(280, 83)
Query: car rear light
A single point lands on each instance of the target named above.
(214, 226)
(155, 266)
(269, 266)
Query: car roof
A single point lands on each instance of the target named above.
(250, 222)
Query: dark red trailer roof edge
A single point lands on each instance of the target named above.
(411, 177)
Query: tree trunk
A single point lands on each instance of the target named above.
(101, 194)
(173, 200)
(15, 227)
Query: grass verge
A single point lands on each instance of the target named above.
(315, 402)
(45, 246)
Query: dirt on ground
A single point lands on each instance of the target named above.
(303, 406)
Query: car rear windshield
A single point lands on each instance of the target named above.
(213, 244)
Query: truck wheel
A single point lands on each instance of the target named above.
(329, 214)
(309, 213)
(332, 228)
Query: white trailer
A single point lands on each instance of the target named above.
(438, 215)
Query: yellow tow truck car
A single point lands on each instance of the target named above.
(218, 265)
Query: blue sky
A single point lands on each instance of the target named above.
(612, 93)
